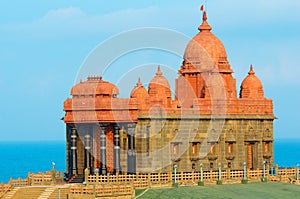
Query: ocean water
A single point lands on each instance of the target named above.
(287, 152)
(17, 158)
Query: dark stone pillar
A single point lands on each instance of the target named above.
(74, 151)
(87, 140)
(117, 149)
(148, 140)
(103, 149)
(131, 151)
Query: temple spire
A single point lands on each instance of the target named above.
(204, 26)
(251, 72)
(159, 73)
(139, 83)
(204, 18)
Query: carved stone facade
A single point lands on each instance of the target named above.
(150, 132)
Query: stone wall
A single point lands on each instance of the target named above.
(207, 141)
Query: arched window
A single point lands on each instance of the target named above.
(175, 149)
(194, 148)
(212, 147)
(267, 147)
(230, 148)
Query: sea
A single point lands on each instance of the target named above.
(18, 158)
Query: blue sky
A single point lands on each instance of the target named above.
(44, 43)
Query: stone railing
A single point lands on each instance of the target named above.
(48, 178)
(32, 179)
(40, 178)
(4, 188)
(142, 181)
(110, 190)
(19, 182)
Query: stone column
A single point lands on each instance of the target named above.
(117, 149)
(87, 139)
(131, 151)
(103, 149)
(73, 151)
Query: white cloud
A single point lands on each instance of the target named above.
(180, 16)
(234, 18)
(249, 12)
(73, 22)
(63, 14)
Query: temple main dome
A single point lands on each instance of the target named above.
(95, 86)
(205, 45)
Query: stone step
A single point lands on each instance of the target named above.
(63, 190)
(29, 193)
(11, 193)
(78, 179)
(47, 193)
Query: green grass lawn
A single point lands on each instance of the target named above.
(251, 190)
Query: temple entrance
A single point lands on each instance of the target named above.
(251, 155)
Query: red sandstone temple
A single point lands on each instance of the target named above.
(206, 122)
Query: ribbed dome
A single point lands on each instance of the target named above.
(139, 91)
(205, 47)
(159, 85)
(251, 86)
(95, 86)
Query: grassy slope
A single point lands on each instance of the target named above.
(253, 190)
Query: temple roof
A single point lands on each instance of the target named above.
(95, 86)
(95, 100)
(159, 80)
(251, 86)
(139, 91)
(159, 89)
(205, 45)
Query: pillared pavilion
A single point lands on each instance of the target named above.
(206, 122)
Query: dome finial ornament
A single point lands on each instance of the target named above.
(159, 73)
(204, 26)
(251, 72)
(204, 16)
(139, 83)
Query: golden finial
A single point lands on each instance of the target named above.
(139, 83)
(251, 72)
(159, 73)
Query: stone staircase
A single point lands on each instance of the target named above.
(77, 179)
(47, 193)
(39, 192)
(64, 192)
(28, 193)
(11, 193)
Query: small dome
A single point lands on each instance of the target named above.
(159, 86)
(139, 91)
(95, 86)
(204, 48)
(251, 86)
